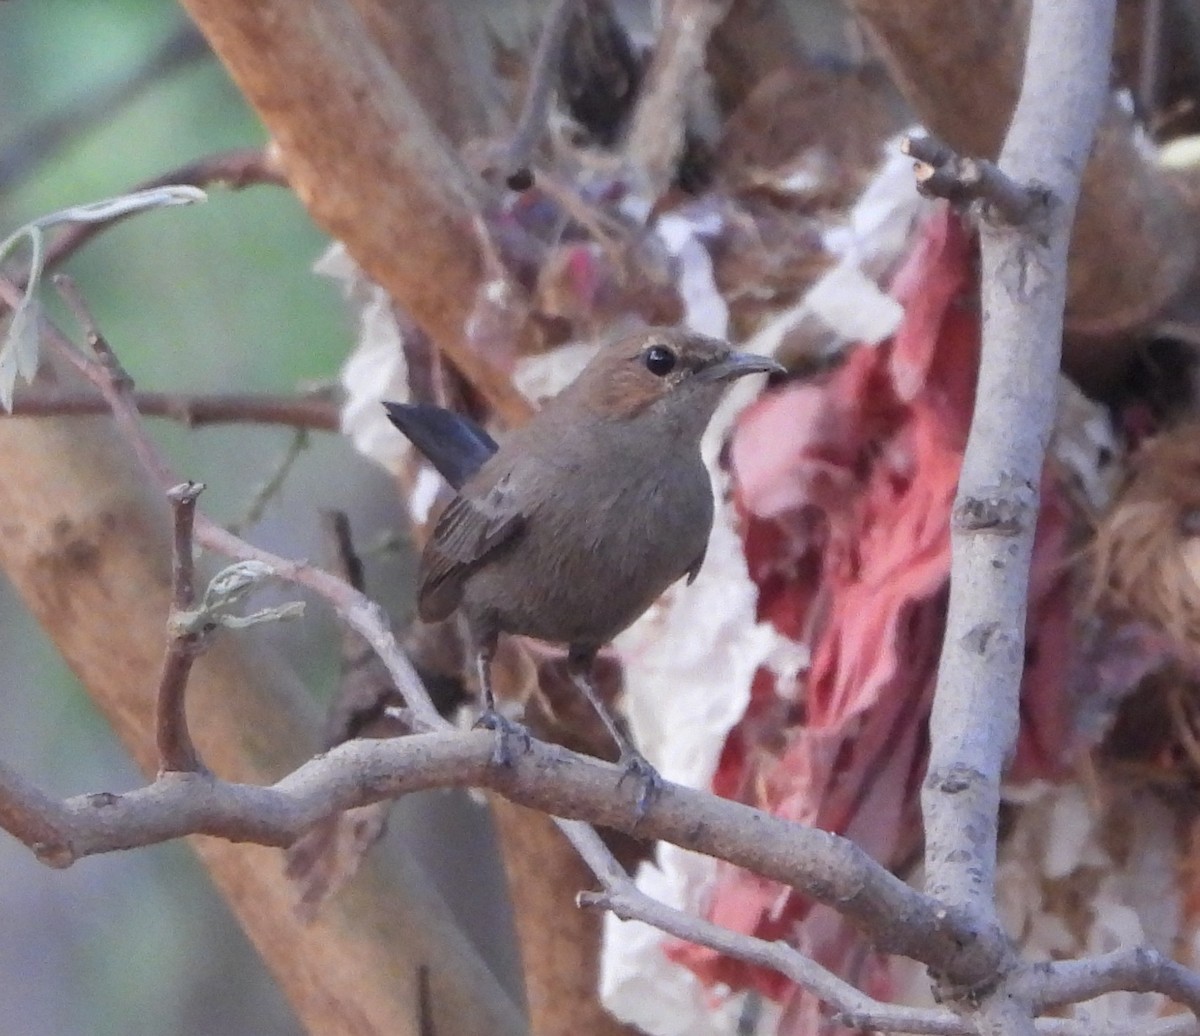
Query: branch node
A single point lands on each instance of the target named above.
(58, 855)
(1001, 512)
(598, 900)
(941, 173)
(185, 492)
(103, 799)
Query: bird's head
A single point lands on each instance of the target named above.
(674, 375)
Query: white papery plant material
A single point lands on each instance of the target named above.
(375, 370)
(1085, 443)
(850, 298)
(543, 375)
(877, 230)
(641, 987)
(683, 234)
(1063, 893)
(689, 662)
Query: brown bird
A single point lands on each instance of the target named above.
(572, 528)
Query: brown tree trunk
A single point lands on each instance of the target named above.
(372, 169)
(560, 943)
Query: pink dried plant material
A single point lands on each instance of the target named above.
(845, 487)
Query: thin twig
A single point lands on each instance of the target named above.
(176, 752)
(607, 231)
(1176, 1025)
(515, 166)
(113, 382)
(317, 411)
(425, 1024)
(854, 1008)
(108, 360)
(29, 815)
(1152, 59)
(1137, 969)
(343, 558)
(273, 484)
(658, 128)
(941, 173)
(326, 856)
(365, 691)
(183, 563)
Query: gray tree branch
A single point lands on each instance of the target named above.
(1024, 287)
(551, 778)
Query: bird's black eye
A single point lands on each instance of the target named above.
(659, 360)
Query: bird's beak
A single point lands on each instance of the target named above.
(735, 365)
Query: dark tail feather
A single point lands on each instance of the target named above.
(455, 445)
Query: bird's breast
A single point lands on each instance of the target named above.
(598, 546)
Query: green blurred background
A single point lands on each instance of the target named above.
(211, 297)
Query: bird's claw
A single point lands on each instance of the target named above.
(635, 767)
(509, 734)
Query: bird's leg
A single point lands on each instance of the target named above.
(636, 766)
(507, 731)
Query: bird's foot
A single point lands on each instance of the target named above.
(636, 767)
(512, 739)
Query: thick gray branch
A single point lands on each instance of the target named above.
(550, 778)
(1024, 283)
(826, 867)
(974, 720)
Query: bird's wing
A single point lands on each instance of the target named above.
(469, 531)
(694, 567)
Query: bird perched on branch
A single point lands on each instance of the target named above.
(572, 528)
